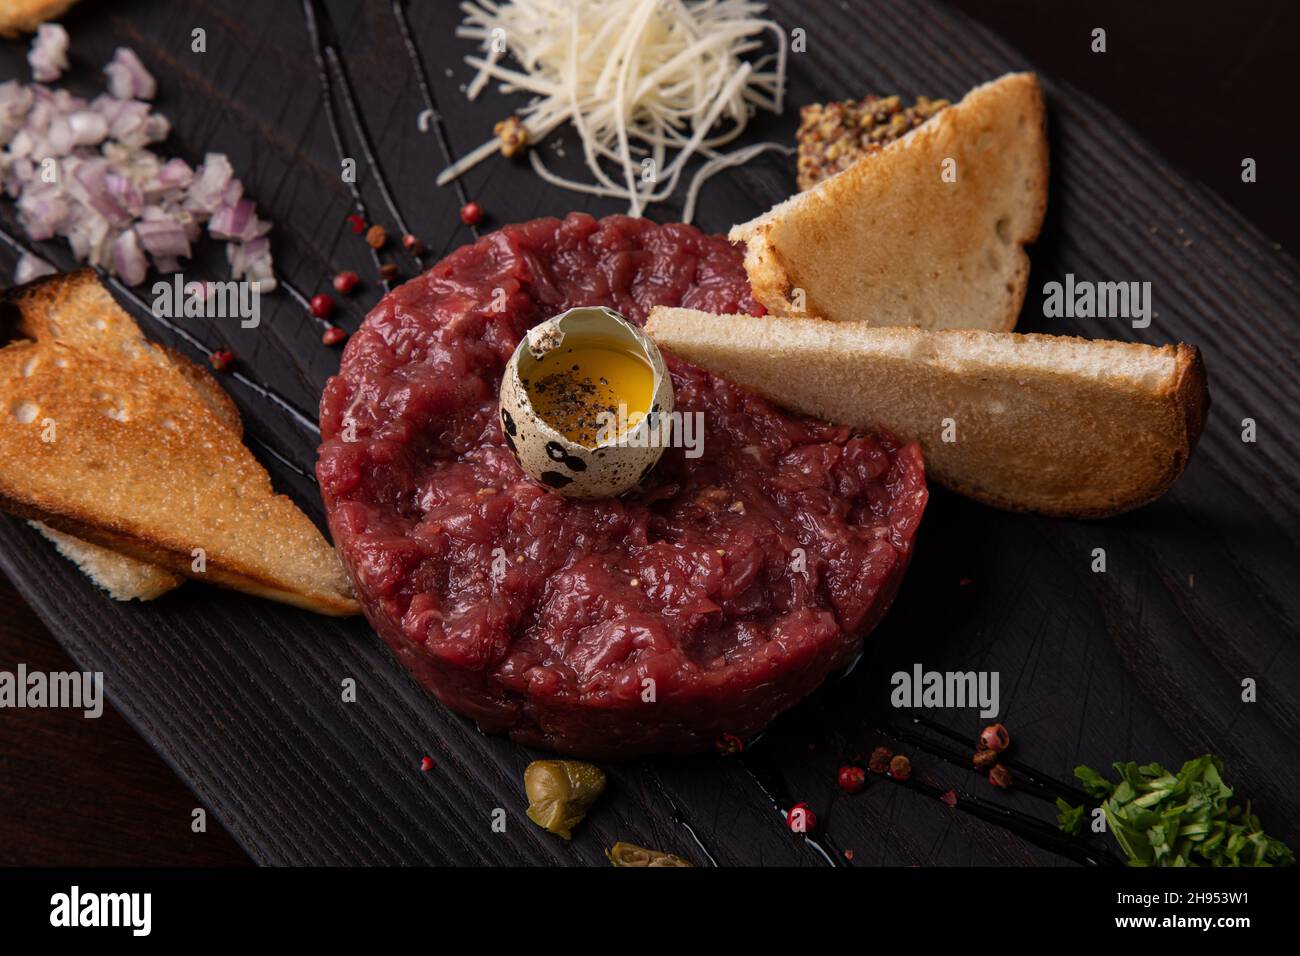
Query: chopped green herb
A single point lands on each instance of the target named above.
(1161, 818)
(1094, 784)
(1070, 819)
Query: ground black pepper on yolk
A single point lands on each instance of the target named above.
(716, 594)
(573, 388)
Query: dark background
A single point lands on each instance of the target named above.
(1206, 84)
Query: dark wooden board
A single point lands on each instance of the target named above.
(122, 790)
(242, 697)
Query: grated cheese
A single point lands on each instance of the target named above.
(647, 85)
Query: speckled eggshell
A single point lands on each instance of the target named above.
(567, 467)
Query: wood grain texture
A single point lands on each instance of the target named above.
(242, 698)
(110, 801)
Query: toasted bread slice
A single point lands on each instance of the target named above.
(891, 241)
(24, 16)
(105, 438)
(1052, 424)
(210, 393)
(124, 578)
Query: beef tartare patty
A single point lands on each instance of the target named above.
(706, 601)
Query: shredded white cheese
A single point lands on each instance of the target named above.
(647, 85)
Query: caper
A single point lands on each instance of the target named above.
(560, 792)
(626, 854)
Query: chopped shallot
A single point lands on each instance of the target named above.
(83, 170)
(49, 53)
(127, 77)
(30, 267)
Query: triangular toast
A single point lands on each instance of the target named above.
(1046, 423)
(124, 578)
(104, 437)
(928, 231)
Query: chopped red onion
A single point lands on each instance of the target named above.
(82, 170)
(49, 53)
(163, 238)
(233, 192)
(237, 221)
(15, 103)
(88, 127)
(127, 77)
(175, 174)
(60, 138)
(124, 194)
(31, 267)
(229, 222)
(252, 261)
(128, 260)
(210, 182)
(43, 210)
(92, 175)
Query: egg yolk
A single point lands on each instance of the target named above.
(575, 389)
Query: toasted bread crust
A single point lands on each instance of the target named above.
(888, 241)
(1187, 397)
(24, 16)
(213, 395)
(169, 555)
(1191, 393)
(1051, 424)
(125, 579)
(144, 461)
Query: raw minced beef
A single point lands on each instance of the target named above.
(656, 621)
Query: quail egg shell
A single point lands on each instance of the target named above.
(561, 398)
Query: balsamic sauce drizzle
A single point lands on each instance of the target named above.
(430, 103)
(271, 450)
(678, 816)
(958, 758)
(772, 786)
(1029, 828)
(339, 70)
(294, 293)
(1042, 834)
(333, 76)
(310, 10)
(1053, 788)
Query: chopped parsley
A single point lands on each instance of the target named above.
(1161, 818)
